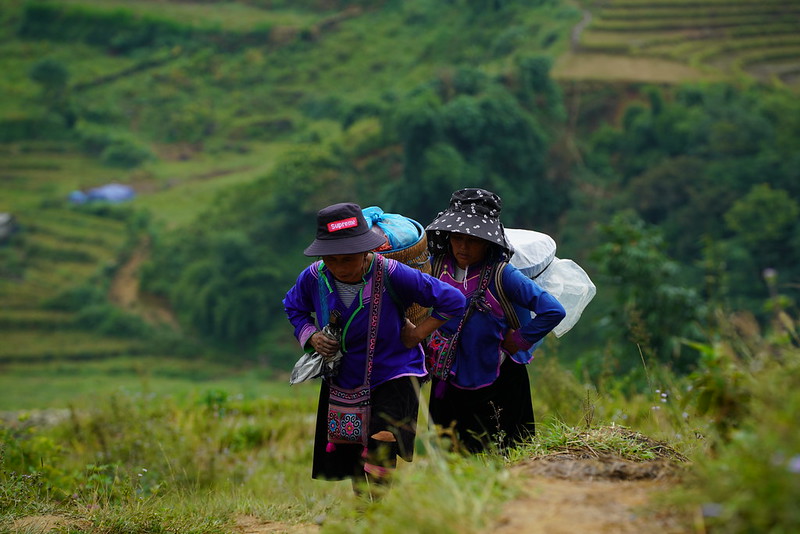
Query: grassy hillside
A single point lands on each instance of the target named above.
(210, 111)
(208, 99)
(200, 104)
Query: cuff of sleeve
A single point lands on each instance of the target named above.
(439, 316)
(520, 341)
(305, 334)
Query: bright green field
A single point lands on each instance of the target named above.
(62, 384)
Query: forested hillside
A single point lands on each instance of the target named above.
(655, 140)
(236, 124)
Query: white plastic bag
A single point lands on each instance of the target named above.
(535, 256)
(571, 286)
(533, 251)
(313, 365)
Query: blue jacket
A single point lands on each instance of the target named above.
(479, 352)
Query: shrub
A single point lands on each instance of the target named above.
(126, 154)
(49, 127)
(75, 298)
(109, 320)
(751, 387)
(114, 148)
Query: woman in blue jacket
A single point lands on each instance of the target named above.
(480, 382)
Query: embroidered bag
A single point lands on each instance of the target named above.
(349, 409)
(440, 350)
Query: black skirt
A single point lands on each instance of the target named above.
(395, 406)
(499, 414)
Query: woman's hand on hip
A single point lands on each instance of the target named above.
(509, 345)
(409, 335)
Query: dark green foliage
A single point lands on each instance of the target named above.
(749, 387)
(109, 320)
(473, 130)
(76, 298)
(229, 295)
(51, 74)
(49, 127)
(227, 279)
(115, 148)
(119, 30)
(537, 89)
(653, 308)
(712, 162)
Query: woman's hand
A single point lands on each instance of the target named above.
(409, 335)
(509, 345)
(324, 345)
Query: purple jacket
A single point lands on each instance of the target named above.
(392, 359)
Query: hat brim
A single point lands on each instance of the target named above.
(365, 242)
(468, 224)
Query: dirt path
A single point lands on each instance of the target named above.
(580, 488)
(554, 506)
(247, 524)
(558, 497)
(124, 290)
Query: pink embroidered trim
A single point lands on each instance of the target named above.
(335, 226)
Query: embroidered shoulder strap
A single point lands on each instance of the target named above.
(438, 265)
(505, 303)
(374, 313)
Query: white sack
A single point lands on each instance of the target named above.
(533, 251)
(571, 286)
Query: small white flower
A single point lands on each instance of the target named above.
(794, 464)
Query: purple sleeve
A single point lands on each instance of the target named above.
(299, 305)
(412, 285)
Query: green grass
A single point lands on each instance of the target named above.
(229, 16)
(175, 192)
(58, 384)
(66, 344)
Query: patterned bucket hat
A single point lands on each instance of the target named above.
(472, 211)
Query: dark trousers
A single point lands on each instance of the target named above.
(500, 414)
(395, 405)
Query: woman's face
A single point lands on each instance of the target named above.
(348, 268)
(467, 249)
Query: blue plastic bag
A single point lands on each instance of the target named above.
(401, 231)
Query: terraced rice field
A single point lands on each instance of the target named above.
(682, 39)
(56, 249)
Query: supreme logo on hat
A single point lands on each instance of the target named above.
(335, 226)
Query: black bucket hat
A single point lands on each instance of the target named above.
(472, 211)
(342, 229)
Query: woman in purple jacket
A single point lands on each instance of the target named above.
(483, 388)
(380, 347)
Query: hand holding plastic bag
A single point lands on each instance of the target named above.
(314, 365)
